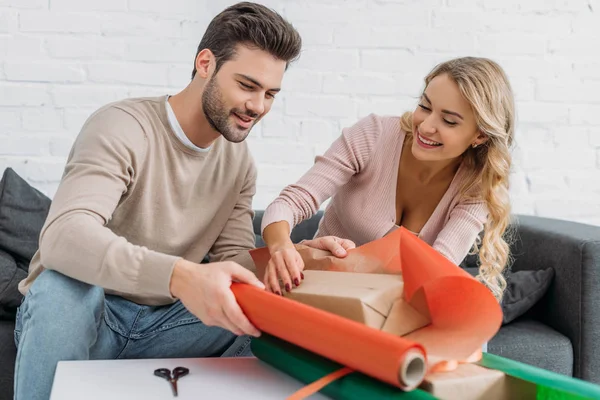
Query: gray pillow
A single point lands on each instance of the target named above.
(23, 211)
(10, 276)
(524, 289)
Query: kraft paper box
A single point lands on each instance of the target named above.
(373, 299)
(474, 382)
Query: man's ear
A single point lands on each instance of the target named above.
(205, 63)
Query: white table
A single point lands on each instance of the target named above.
(209, 378)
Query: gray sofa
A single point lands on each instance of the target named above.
(559, 333)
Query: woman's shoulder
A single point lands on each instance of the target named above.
(383, 125)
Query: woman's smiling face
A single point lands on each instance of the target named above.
(444, 124)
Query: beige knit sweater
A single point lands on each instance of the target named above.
(133, 200)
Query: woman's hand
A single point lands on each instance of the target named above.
(286, 265)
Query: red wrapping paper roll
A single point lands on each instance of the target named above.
(392, 359)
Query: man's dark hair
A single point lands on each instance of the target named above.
(253, 25)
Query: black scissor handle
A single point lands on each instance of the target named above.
(163, 373)
(180, 372)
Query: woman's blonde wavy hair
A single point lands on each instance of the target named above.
(485, 86)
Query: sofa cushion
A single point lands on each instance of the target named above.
(8, 353)
(10, 276)
(23, 211)
(523, 290)
(532, 342)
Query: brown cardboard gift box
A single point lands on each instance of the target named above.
(373, 299)
(474, 382)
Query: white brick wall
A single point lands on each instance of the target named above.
(61, 59)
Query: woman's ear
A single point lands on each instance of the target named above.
(481, 139)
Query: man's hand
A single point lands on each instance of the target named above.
(335, 245)
(205, 290)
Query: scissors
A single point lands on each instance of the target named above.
(172, 378)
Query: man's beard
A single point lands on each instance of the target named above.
(218, 116)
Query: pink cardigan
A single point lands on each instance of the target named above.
(359, 170)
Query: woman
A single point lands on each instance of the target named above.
(440, 171)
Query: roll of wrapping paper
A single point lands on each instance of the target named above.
(308, 367)
(550, 385)
(392, 359)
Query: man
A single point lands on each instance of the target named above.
(151, 187)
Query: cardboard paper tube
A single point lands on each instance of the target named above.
(413, 369)
(392, 359)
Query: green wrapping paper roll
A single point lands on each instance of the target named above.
(308, 367)
(550, 385)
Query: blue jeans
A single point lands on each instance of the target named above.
(64, 319)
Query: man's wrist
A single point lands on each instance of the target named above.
(179, 277)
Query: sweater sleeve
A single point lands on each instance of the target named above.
(347, 156)
(75, 240)
(457, 237)
(237, 236)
